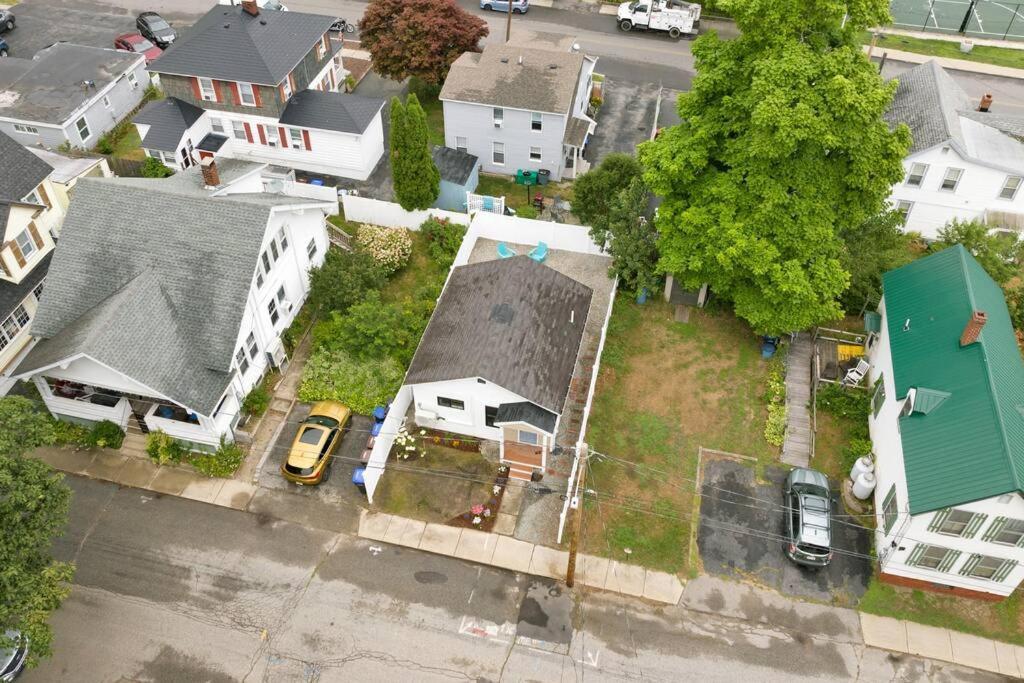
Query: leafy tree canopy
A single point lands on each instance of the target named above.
(869, 250)
(594, 190)
(998, 252)
(417, 180)
(23, 426)
(633, 242)
(343, 279)
(418, 37)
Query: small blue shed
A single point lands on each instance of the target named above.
(460, 173)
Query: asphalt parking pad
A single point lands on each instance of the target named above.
(545, 616)
(626, 119)
(741, 536)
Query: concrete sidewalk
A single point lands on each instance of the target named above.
(947, 63)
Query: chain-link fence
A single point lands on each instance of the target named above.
(978, 18)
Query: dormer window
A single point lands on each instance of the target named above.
(286, 87)
(206, 90)
(320, 50)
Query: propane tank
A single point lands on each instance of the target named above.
(863, 485)
(863, 464)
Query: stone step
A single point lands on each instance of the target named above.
(522, 474)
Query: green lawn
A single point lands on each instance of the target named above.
(984, 54)
(520, 197)
(420, 271)
(129, 145)
(666, 388)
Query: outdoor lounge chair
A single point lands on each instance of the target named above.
(539, 252)
(504, 251)
(856, 374)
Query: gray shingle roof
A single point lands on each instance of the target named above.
(513, 322)
(20, 171)
(13, 294)
(331, 111)
(231, 45)
(1005, 123)
(160, 298)
(576, 132)
(65, 168)
(48, 87)
(544, 81)
(527, 412)
(454, 165)
(927, 100)
(168, 119)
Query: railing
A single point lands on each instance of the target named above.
(186, 431)
(86, 410)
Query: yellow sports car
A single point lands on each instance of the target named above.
(317, 439)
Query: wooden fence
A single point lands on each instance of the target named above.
(127, 168)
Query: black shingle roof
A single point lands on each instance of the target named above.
(231, 45)
(331, 111)
(20, 171)
(524, 411)
(168, 120)
(514, 322)
(454, 165)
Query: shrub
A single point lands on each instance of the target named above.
(372, 329)
(775, 425)
(70, 434)
(105, 145)
(105, 434)
(526, 212)
(23, 426)
(443, 239)
(343, 279)
(154, 168)
(775, 394)
(854, 404)
(256, 401)
(856, 448)
(390, 248)
(164, 449)
(361, 385)
(221, 463)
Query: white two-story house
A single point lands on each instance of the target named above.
(947, 428)
(963, 163)
(521, 105)
(261, 86)
(172, 318)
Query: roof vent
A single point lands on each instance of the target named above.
(263, 22)
(906, 325)
(520, 60)
(502, 313)
(552, 66)
(504, 60)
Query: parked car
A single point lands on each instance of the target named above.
(12, 660)
(262, 4)
(153, 26)
(6, 20)
(135, 42)
(5, 49)
(309, 458)
(518, 6)
(809, 518)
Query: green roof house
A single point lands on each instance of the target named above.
(947, 425)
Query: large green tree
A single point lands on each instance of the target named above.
(632, 238)
(999, 253)
(594, 190)
(417, 180)
(869, 250)
(781, 148)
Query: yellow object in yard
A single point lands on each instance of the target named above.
(849, 351)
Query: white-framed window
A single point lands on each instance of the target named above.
(311, 249)
(499, 117)
(10, 327)
(295, 135)
(1010, 187)
(206, 90)
(536, 121)
(987, 567)
(247, 94)
(33, 197)
(890, 510)
(259, 278)
(265, 259)
(461, 143)
(878, 397)
(271, 132)
(498, 153)
(132, 81)
(904, 208)
(272, 310)
(21, 315)
(274, 253)
(951, 179)
(25, 243)
(83, 129)
(286, 86)
(238, 128)
(283, 239)
(38, 291)
(933, 557)
(953, 522)
(252, 346)
(528, 437)
(4, 341)
(281, 294)
(535, 154)
(106, 103)
(1005, 531)
(915, 176)
(217, 125)
(453, 403)
(242, 361)
(29, 130)
(167, 158)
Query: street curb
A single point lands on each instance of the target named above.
(946, 63)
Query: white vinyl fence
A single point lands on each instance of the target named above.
(391, 215)
(382, 445)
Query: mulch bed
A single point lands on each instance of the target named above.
(357, 68)
(465, 520)
(455, 441)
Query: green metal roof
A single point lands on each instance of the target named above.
(973, 446)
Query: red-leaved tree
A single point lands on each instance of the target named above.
(418, 37)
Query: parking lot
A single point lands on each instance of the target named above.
(626, 119)
(742, 539)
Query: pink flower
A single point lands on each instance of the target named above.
(477, 509)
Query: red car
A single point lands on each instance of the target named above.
(134, 42)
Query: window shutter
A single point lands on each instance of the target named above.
(291, 81)
(237, 98)
(43, 196)
(256, 95)
(994, 528)
(195, 88)
(284, 136)
(915, 554)
(216, 92)
(32, 230)
(263, 135)
(334, 86)
(18, 256)
(976, 521)
(970, 564)
(280, 92)
(938, 518)
(3, 265)
(248, 131)
(1004, 571)
(305, 140)
(951, 557)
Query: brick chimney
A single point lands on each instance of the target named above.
(986, 102)
(211, 178)
(973, 328)
(251, 7)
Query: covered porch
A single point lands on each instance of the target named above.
(840, 356)
(577, 133)
(527, 436)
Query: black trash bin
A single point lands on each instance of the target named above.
(543, 176)
(358, 478)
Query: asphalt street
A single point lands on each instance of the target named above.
(168, 589)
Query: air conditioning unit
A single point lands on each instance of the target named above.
(277, 356)
(287, 306)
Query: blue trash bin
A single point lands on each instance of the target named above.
(379, 413)
(375, 429)
(359, 479)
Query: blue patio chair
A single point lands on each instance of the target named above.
(504, 251)
(539, 252)
(488, 203)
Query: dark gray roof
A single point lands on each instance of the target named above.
(231, 45)
(160, 298)
(576, 132)
(13, 294)
(20, 171)
(526, 412)
(331, 111)
(212, 142)
(927, 100)
(514, 322)
(544, 81)
(168, 120)
(454, 165)
(48, 87)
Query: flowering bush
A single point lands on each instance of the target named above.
(361, 385)
(477, 509)
(390, 248)
(405, 445)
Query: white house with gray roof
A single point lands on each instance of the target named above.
(521, 105)
(261, 86)
(169, 320)
(963, 163)
(69, 94)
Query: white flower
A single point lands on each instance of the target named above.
(477, 520)
(496, 489)
(422, 432)
(487, 512)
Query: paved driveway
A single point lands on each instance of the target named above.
(748, 553)
(625, 120)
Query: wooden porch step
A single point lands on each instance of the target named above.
(520, 473)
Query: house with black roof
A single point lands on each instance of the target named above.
(261, 86)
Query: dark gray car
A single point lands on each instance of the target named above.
(152, 26)
(6, 20)
(808, 517)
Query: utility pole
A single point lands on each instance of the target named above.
(508, 23)
(577, 520)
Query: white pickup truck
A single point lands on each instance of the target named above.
(660, 15)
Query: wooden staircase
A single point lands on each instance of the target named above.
(135, 439)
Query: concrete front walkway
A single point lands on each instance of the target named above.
(947, 63)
